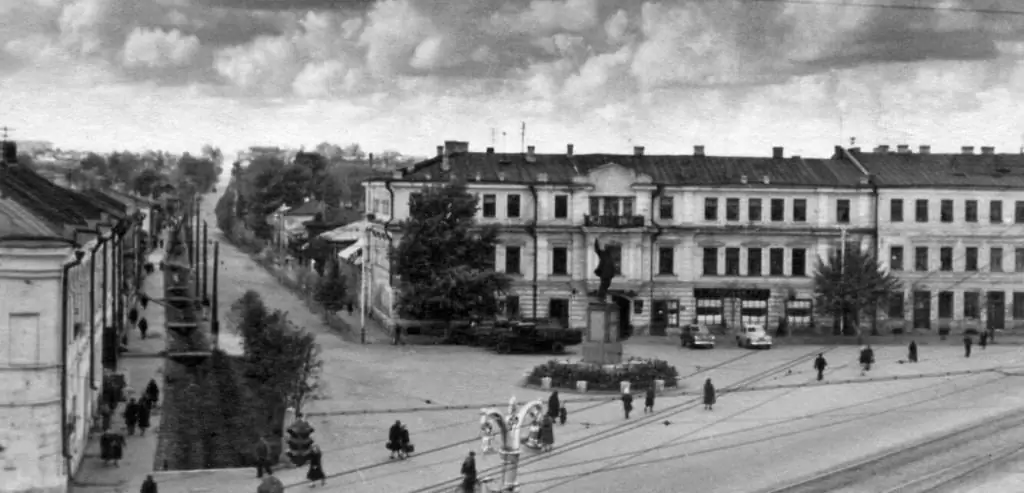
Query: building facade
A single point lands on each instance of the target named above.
(721, 240)
(951, 226)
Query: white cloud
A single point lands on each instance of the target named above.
(432, 53)
(393, 31)
(548, 16)
(318, 80)
(615, 27)
(157, 48)
(268, 64)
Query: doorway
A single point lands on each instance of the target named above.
(922, 310)
(996, 310)
(625, 330)
(558, 309)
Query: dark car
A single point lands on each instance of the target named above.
(697, 335)
(536, 337)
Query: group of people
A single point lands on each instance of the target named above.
(709, 398)
(398, 441)
(136, 413)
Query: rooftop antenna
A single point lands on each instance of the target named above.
(522, 140)
(853, 141)
(5, 130)
(504, 146)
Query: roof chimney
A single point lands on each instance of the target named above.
(440, 150)
(777, 152)
(903, 149)
(453, 146)
(568, 150)
(988, 151)
(529, 150)
(967, 150)
(10, 152)
(882, 149)
(490, 150)
(542, 177)
(926, 150)
(638, 150)
(698, 150)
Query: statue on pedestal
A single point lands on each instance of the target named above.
(605, 270)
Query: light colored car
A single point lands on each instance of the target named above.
(753, 336)
(696, 335)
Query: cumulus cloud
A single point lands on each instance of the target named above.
(157, 48)
(267, 65)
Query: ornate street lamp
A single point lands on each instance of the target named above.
(508, 428)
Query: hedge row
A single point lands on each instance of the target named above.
(640, 373)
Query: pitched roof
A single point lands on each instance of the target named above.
(44, 194)
(663, 169)
(308, 209)
(107, 203)
(18, 222)
(905, 170)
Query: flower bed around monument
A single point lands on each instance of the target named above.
(640, 373)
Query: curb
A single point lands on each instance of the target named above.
(159, 354)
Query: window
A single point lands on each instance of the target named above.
(512, 206)
(896, 306)
(732, 261)
(995, 260)
(665, 207)
(776, 259)
(558, 309)
(638, 306)
(896, 210)
(946, 258)
(972, 304)
(611, 206)
(1018, 211)
(561, 206)
(921, 210)
(490, 205)
(666, 260)
(710, 209)
(1018, 260)
(800, 210)
(710, 261)
(753, 261)
(1018, 306)
(921, 259)
(778, 209)
(559, 261)
(512, 306)
(843, 211)
(595, 206)
(627, 206)
(896, 258)
(995, 211)
(971, 211)
(945, 304)
(799, 262)
(732, 209)
(754, 209)
(946, 211)
(971, 259)
(512, 259)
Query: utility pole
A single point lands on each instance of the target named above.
(206, 243)
(215, 325)
(842, 280)
(364, 297)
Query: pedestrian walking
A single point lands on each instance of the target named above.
(709, 395)
(131, 415)
(143, 416)
(967, 345)
(133, 315)
(143, 326)
(820, 364)
(627, 403)
(263, 461)
(649, 400)
(983, 339)
(553, 405)
(112, 448)
(563, 414)
(406, 442)
(547, 433)
(912, 352)
(395, 439)
(105, 414)
(144, 301)
(867, 356)
(152, 392)
(148, 486)
(469, 473)
(316, 469)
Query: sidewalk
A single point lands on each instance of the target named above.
(140, 364)
(375, 333)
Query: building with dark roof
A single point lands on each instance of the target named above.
(952, 227)
(720, 240)
(62, 265)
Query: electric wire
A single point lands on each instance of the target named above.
(907, 7)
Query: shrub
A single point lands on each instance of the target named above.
(640, 373)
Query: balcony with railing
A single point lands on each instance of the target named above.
(613, 221)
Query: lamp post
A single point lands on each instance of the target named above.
(215, 324)
(842, 280)
(364, 296)
(206, 244)
(509, 427)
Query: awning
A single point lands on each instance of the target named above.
(349, 232)
(353, 253)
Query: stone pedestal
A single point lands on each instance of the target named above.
(601, 343)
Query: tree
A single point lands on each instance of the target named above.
(201, 172)
(27, 161)
(852, 287)
(94, 162)
(146, 181)
(445, 260)
(122, 166)
(354, 151)
(332, 290)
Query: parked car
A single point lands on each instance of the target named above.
(533, 337)
(697, 335)
(752, 336)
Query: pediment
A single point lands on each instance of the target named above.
(614, 178)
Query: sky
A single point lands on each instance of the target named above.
(736, 76)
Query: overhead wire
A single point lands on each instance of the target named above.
(891, 6)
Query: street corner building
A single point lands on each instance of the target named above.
(69, 261)
(729, 241)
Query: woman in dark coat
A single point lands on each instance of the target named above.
(912, 352)
(553, 405)
(395, 439)
(148, 486)
(627, 404)
(405, 442)
(152, 392)
(709, 394)
(143, 416)
(316, 470)
(649, 400)
(143, 327)
(547, 433)
(131, 415)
